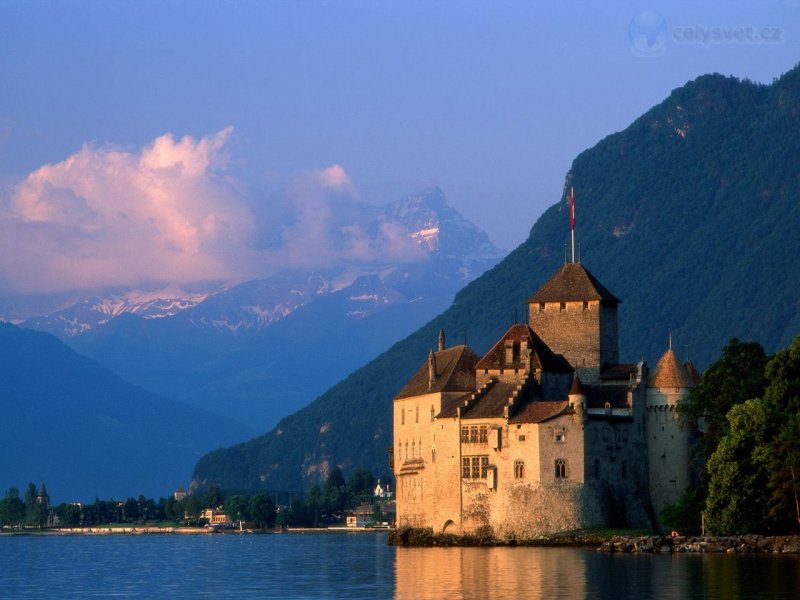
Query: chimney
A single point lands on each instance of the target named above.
(431, 369)
(441, 340)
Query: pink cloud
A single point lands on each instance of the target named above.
(170, 214)
(109, 217)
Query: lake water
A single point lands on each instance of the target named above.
(348, 565)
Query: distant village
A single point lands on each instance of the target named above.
(362, 502)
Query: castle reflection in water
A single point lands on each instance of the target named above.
(533, 573)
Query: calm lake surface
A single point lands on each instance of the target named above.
(348, 565)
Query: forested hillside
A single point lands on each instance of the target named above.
(690, 216)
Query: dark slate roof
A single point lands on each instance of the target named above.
(573, 283)
(598, 395)
(542, 410)
(543, 357)
(455, 372)
(620, 371)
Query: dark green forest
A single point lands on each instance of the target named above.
(748, 403)
(690, 216)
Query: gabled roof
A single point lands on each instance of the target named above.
(542, 410)
(542, 356)
(670, 373)
(573, 283)
(455, 372)
(492, 404)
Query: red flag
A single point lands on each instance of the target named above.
(572, 208)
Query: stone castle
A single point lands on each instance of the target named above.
(546, 432)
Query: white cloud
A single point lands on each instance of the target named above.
(170, 214)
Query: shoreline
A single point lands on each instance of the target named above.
(633, 544)
(154, 530)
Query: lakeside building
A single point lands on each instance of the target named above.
(546, 432)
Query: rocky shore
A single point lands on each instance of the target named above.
(652, 544)
(744, 544)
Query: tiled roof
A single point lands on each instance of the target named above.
(542, 410)
(543, 357)
(492, 404)
(575, 388)
(670, 373)
(692, 371)
(598, 395)
(573, 283)
(455, 372)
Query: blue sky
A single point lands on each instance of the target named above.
(490, 101)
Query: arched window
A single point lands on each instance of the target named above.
(519, 469)
(561, 468)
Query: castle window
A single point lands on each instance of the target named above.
(541, 306)
(521, 437)
(464, 435)
(585, 305)
(561, 437)
(413, 450)
(562, 307)
(561, 468)
(417, 414)
(473, 434)
(519, 469)
(474, 467)
(483, 434)
(402, 416)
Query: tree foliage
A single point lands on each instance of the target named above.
(753, 473)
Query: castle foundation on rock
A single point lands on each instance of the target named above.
(548, 431)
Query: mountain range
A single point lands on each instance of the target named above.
(689, 215)
(243, 351)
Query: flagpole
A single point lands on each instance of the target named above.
(572, 219)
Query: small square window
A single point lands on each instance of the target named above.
(562, 307)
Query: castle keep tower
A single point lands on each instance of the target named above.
(576, 316)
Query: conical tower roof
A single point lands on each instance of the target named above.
(670, 373)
